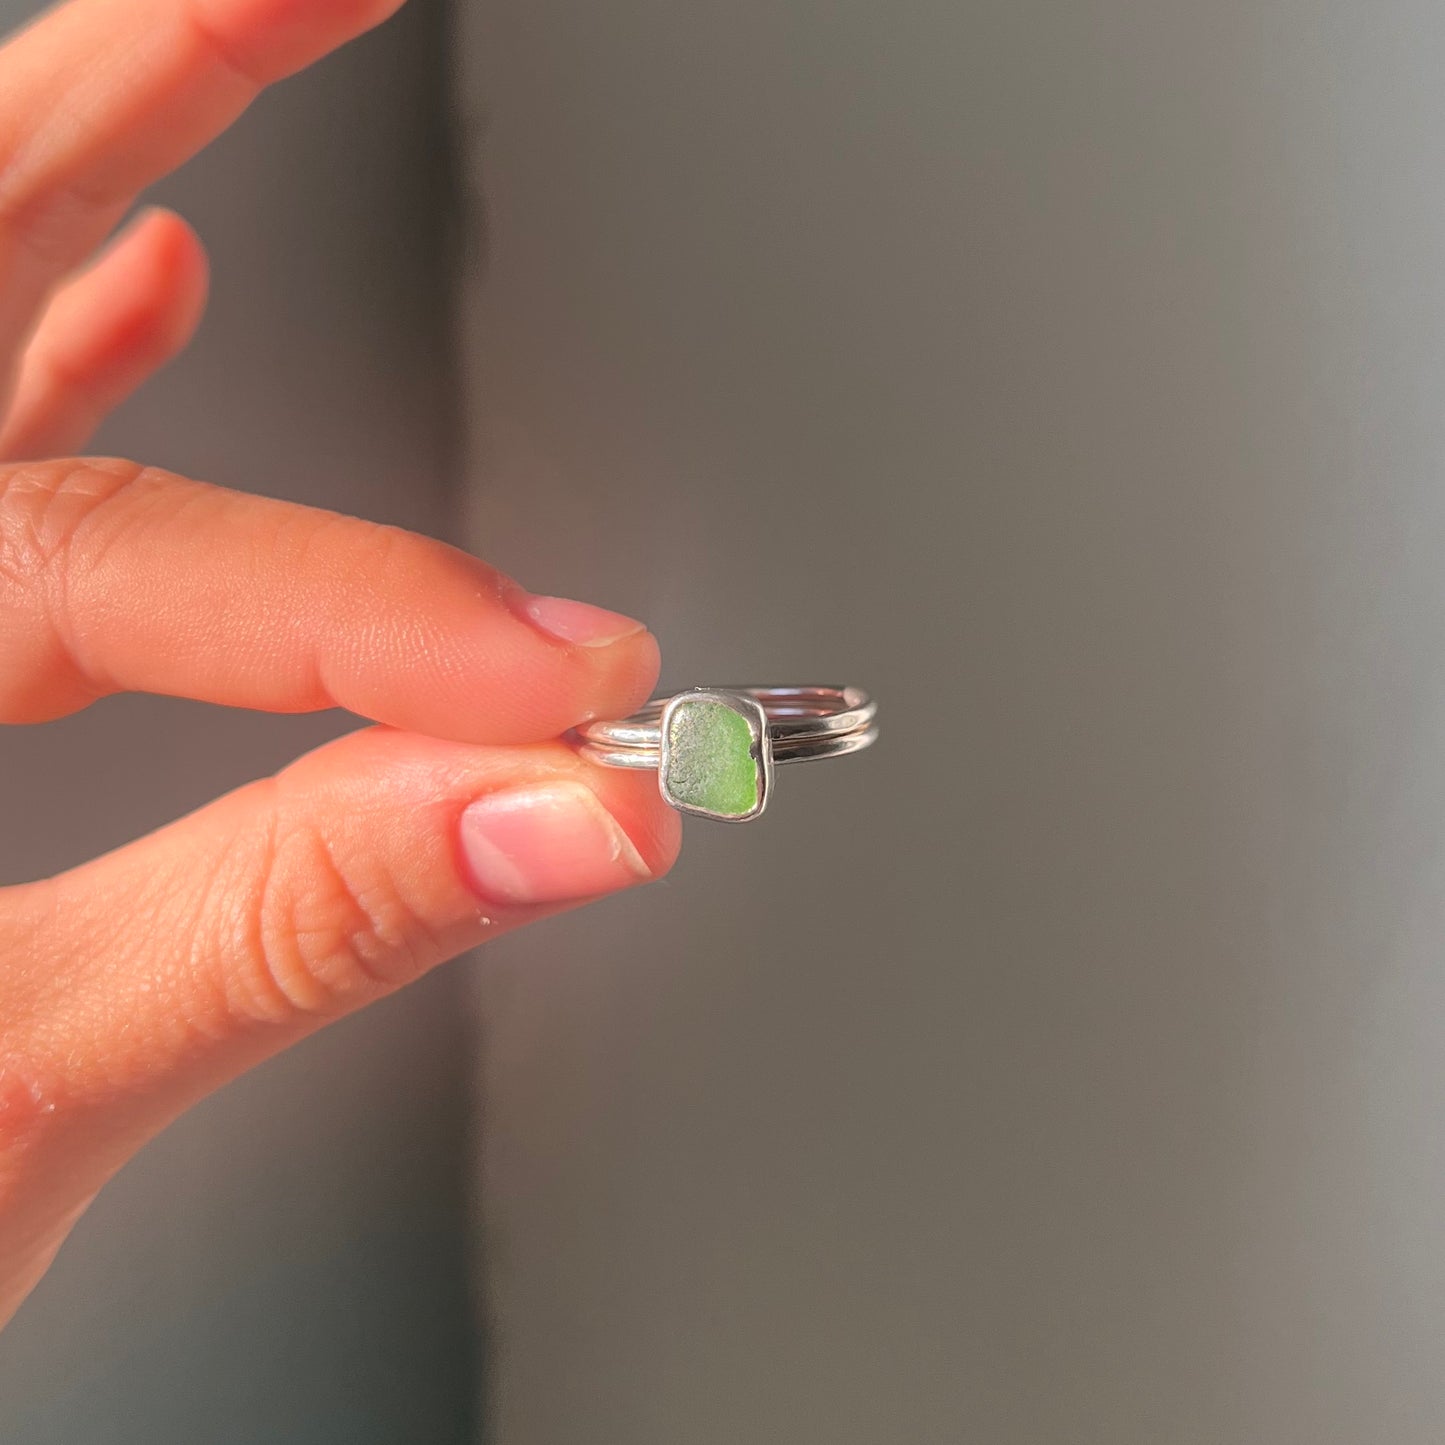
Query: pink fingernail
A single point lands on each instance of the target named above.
(546, 844)
(579, 622)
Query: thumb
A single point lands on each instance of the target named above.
(134, 985)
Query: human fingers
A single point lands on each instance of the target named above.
(100, 98)
(115, 577)
(135, 984)
(104, 333)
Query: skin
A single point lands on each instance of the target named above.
(134, 985)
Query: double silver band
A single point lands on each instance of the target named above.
(789, 725)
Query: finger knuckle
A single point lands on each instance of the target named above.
(45, 506)
(50, 515)
(326, 936)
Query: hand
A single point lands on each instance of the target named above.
(135, 984)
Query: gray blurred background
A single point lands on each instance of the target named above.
(1068, 1069)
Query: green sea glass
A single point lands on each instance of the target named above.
(712, 760)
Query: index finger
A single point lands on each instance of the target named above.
(99, 98)
(118, 578)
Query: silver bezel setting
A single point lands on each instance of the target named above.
(761, 750)
(798, 724)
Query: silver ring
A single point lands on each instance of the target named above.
(715, 748)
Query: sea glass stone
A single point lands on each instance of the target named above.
(713, 759)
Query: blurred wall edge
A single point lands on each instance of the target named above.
(1072, 1067)
(288, 1263)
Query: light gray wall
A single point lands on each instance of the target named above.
(288, 1264)
(1072, 1068)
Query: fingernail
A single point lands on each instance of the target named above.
(579, 622)
(546, 844)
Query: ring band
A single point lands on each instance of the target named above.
(714, 749)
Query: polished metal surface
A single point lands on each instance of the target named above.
(788, 725)
(804, 724)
